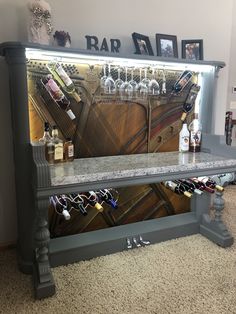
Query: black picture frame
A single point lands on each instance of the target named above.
(142, 44)
(192, 49)
(167, 45)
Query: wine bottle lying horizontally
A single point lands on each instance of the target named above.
(177, 187)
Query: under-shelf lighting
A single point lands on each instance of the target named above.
(92, 59)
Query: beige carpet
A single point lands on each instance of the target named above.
(187, 275)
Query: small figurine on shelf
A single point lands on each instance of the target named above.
(40, 22)
(62, 39)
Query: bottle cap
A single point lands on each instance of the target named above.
(188, 194)
(99, 207)
(183, 117)
(219, 188)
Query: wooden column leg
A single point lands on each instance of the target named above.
(43, 280)
(214, 229)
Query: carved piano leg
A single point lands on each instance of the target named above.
(43, 279)
(214, 229)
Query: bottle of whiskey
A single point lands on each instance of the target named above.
(57, 95)
(195, 129)
(68, 150)
(46, 135)
(184, 139)
(63, 79)
(190, 101)
(54, 148)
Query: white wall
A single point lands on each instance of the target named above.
(210, 20)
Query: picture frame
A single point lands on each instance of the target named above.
(192, 49)
(142, 44)
(167, 45)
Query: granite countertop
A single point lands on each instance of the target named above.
(97, 169)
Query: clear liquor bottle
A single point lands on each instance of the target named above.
(46, 135)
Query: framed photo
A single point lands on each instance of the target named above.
(142, 44)
(192, 49)
(167, 46)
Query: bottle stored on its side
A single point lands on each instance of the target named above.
(92, 199)
(210, 183)
(46, 135)
(195, 129)
(192, 188)
(60, 205)
(78, 203)
(68, 150)
(178, 188)
(106, 196)
(184, 139)
(190, 101)
(201, 186)
(57, 95)
(54, 148)
(63, 79)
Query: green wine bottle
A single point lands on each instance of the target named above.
(63, 79)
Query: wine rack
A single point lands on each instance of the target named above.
(125, 144)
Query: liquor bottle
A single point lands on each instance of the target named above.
(63, 79)
(182, 81)
(92, 199)
(54, 148)
(46, 135)
(57, 95)
(201, 186)
(178, 188)
(190, 101)
(184, 139)
(68, 150)
(106, 196)
(77, 202)
(210, 183)
(60, 205)
(191, 186)
(195, 129)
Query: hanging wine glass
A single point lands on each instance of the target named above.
(132, 82)
(104, 77)
(109, 85)
(163, 84)
(119, 81)
(126, 89)
(142, 89)
(153, 86)
(145, 80)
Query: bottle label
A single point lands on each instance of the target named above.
(54, 90)
(63, 75)
(184, 143)
(195, 138)
(58, 151)
(71, 151)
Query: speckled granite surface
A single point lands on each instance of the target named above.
(131, 166)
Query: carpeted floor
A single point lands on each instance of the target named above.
(187, 275)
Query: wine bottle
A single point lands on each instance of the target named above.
(178, 188)
(63, 79)
(182, 81)
(201, 186)
(191, 186)
(57, 95)
(190, 101)
(54, 148)
(46, 135)
(68, 150)
(210, 183)
(77, 202)
(195, 129)
(60, 205)
(106, 196)
(184, 139)
(92, 199)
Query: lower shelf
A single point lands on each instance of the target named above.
(70, 249)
